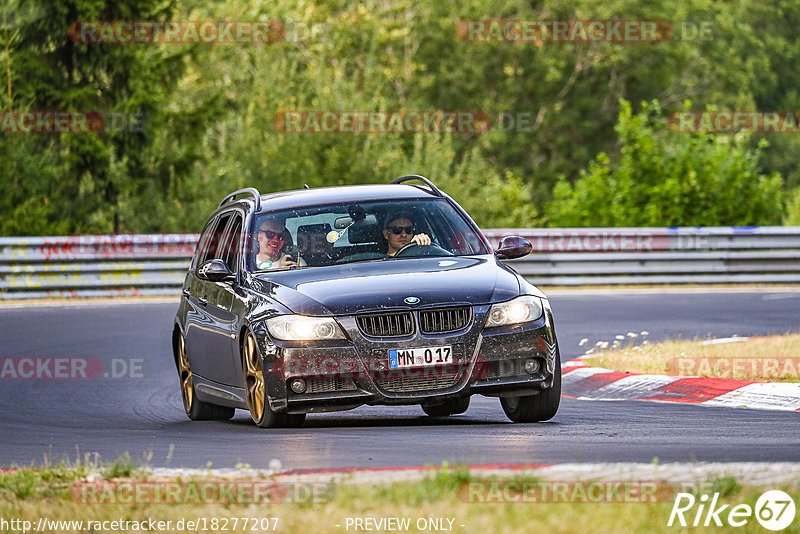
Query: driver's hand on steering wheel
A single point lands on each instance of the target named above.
(421, 239)
(287, 261)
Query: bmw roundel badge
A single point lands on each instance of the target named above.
(411, 300)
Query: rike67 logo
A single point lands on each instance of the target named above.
(774, 510)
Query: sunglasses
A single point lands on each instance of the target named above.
(270, 235)
(397, 230)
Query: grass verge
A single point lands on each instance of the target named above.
(30, 494)
(762, 359)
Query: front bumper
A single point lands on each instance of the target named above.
(346, 374)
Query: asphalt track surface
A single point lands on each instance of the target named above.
(61, 419)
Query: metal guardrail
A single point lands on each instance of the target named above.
(705, 255)
(155, 264)
(94, 265)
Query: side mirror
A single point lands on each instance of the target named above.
(513, 246)
(214, 271)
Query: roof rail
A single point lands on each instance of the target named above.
(408, 177)
(250, 190)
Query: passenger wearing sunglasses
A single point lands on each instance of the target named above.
(400, 230)
(271, 243)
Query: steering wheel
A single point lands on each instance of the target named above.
(424, 250)
(405, 247)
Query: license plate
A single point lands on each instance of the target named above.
(420, 357)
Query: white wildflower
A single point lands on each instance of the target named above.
(619, 337)
(583, 341)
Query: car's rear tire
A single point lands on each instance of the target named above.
(449, 407)
(533, 408)
(196, 409)
(261, 413)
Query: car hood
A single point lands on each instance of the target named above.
(383, 285)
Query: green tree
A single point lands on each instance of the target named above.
(352, 63)
(669, 179)
(792, 217)
(86, 178)
(210, 107)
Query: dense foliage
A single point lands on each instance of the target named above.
(210, 112)
(669, 179)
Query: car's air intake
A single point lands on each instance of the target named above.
(386, 324)
(404, 383)
(444, 320)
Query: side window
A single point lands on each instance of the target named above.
(202, 244)
(425, 225)
(212, 245)
(465, 242)
(455, 235)
(230, 251)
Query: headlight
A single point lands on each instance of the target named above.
(301, 328)
(519, 310)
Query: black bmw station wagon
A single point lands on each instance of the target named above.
(327, 299)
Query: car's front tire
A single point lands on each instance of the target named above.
(449, 407)
(533, 408)
(196, 409)
(261, 413)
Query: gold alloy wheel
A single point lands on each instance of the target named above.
(254, 379)
(185, 373)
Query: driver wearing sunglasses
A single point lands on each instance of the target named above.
(271, 242)
(400, 230)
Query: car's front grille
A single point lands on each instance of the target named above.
(442, 320)
(407, 382)
(386, 324)
(329, 385)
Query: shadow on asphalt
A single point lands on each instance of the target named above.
(372, 421)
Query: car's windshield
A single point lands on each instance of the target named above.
(360, 231)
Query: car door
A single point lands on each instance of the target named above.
(202, 328)
(224, 311)
(191, 290)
